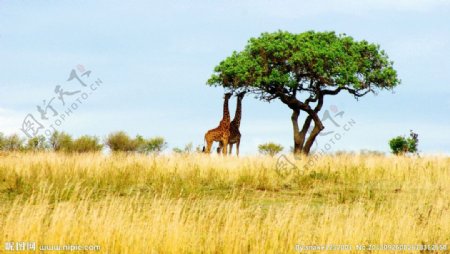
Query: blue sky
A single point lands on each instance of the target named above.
(154, 58)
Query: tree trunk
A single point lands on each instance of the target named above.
(298, 142)
(300, 146)
(318, 127)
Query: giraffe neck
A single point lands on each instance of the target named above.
(237, 115)
(226, 112)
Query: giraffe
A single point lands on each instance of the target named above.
(222, 132)
(235, 134)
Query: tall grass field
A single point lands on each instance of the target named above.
(201, 204)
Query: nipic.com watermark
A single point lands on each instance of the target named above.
(32, 246)
(65, 101)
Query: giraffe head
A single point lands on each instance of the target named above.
(241, 95)
(227, 96)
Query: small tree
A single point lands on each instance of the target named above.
(86, 144)
(38, 143)
(2, 141)
(121, 142)
(401, 145)
(177, 150)
(270, 148)
(13, 143)
(61, 142)
(188, 148)
(155, 145)
(413, 142)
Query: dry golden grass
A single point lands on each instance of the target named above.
(201, 204)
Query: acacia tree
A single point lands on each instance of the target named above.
(301, 70)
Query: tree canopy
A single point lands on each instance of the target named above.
(301, 69)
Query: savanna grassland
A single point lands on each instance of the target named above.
(202, 204)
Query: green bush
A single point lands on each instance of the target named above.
(398, 145)
(38, 143)
(2, 141)
(151, 145)
(61, 142)
(401, 145)
(270, 148)
(11, 143)
(121, 142)
(86, 144)
(188, 149)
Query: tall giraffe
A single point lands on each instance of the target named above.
(222, 132)
(235, 134)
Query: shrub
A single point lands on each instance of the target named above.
(38, 143)
(61, 142)
(12, 143)
(270, 149)
(86, 144)
(177, 150)
(188, 149)
(152, 145)
(2, 140)
(121, 142)
(401, 145)
(413, 142)
(398, 145)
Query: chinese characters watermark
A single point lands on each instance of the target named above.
(54, 111)
(32, 246)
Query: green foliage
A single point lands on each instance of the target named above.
(413, 142)
(11, 143)
(121, 142)
(38, 143)
(151, 145)
(401, 145)
(188, 149)
(85, 144)
(282, 62)
(2, 141)
(270, 148)
(177, 150)
(398, 145)
(61, 142)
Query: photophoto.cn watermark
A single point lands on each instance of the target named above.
(341, 125)
(65, 101)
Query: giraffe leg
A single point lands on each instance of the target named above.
(208, 146)
(224, 146)
(219, 148)
(231, 148)
(237, 146)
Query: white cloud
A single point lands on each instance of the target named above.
(419, 47)
(10, 121)
(293, 9)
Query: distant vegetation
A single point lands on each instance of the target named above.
(270, 148)
(188, 149)
(401, 145)
(64, 142)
